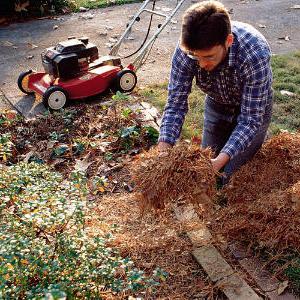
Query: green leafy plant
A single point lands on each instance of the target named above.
(56, 136)
(126, 112)
(6, 146)
(99, 184)
(152, 134)
(45, 249)
(60, 150)
(128, 136)
(120, 96)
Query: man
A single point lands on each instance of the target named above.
(231, 64)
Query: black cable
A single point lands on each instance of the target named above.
(143, 43)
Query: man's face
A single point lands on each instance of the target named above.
(209, 59)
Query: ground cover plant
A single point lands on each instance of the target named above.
(46, 250)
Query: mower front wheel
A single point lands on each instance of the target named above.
(23, 82)
(55, 97)
(125, 81)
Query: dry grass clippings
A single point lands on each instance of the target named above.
(264, 198)
(186, 173)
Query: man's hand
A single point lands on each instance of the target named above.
(163, 148)
(220, 161)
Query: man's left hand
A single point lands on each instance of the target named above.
(220, 161)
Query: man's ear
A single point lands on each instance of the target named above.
(229, 40)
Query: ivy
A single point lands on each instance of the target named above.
(45, 250)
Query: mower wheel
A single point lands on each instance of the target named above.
(23, 82)
(55, 97)
(125, 81)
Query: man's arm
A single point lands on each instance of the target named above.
(182, 73)
(255, 98)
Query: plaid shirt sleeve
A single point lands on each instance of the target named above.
(182, 74)
(258, 79)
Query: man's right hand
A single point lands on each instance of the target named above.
(163, 148)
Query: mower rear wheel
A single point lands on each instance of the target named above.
(23, 82)
(125, 81)
(55, 97)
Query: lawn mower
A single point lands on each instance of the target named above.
(74, 70)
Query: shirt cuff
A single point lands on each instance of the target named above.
(229, 151)
(167, 139)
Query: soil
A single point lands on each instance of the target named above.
(22, 43)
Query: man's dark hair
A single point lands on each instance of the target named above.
(205, 25)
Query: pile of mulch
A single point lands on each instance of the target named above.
(264, 199)
(185, 173)
(154, 241)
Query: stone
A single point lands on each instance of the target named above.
(200, 237)
(186, 213)
(234, 287)
(212, 262)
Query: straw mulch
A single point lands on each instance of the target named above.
(264, 198)
(275, 167)
(153, 241)
(185, 173)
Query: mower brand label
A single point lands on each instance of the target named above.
(86, 77)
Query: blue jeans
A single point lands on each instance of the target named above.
(219, 122)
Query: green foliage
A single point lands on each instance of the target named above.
(101, 3)
(152, 134)
(120, 96)
(129, 136)
(6, 146)
(45, 249)
(56, 136)
(286, 112)
(157, 96)
(126, 112)
(293, 273)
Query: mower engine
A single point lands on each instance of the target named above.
(69, 58)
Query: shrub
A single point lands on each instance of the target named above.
(30, 7)
(45, 249)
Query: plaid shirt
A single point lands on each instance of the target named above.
(244, 79)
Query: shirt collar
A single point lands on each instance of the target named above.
(232, 51)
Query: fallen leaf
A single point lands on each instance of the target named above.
(27, 156)
(32, 46)
(166, 9)
(83, 9)
(19, 7)
(282, 286)
(287, 93)
(7, 44)
(82, 165)
(286, 38)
